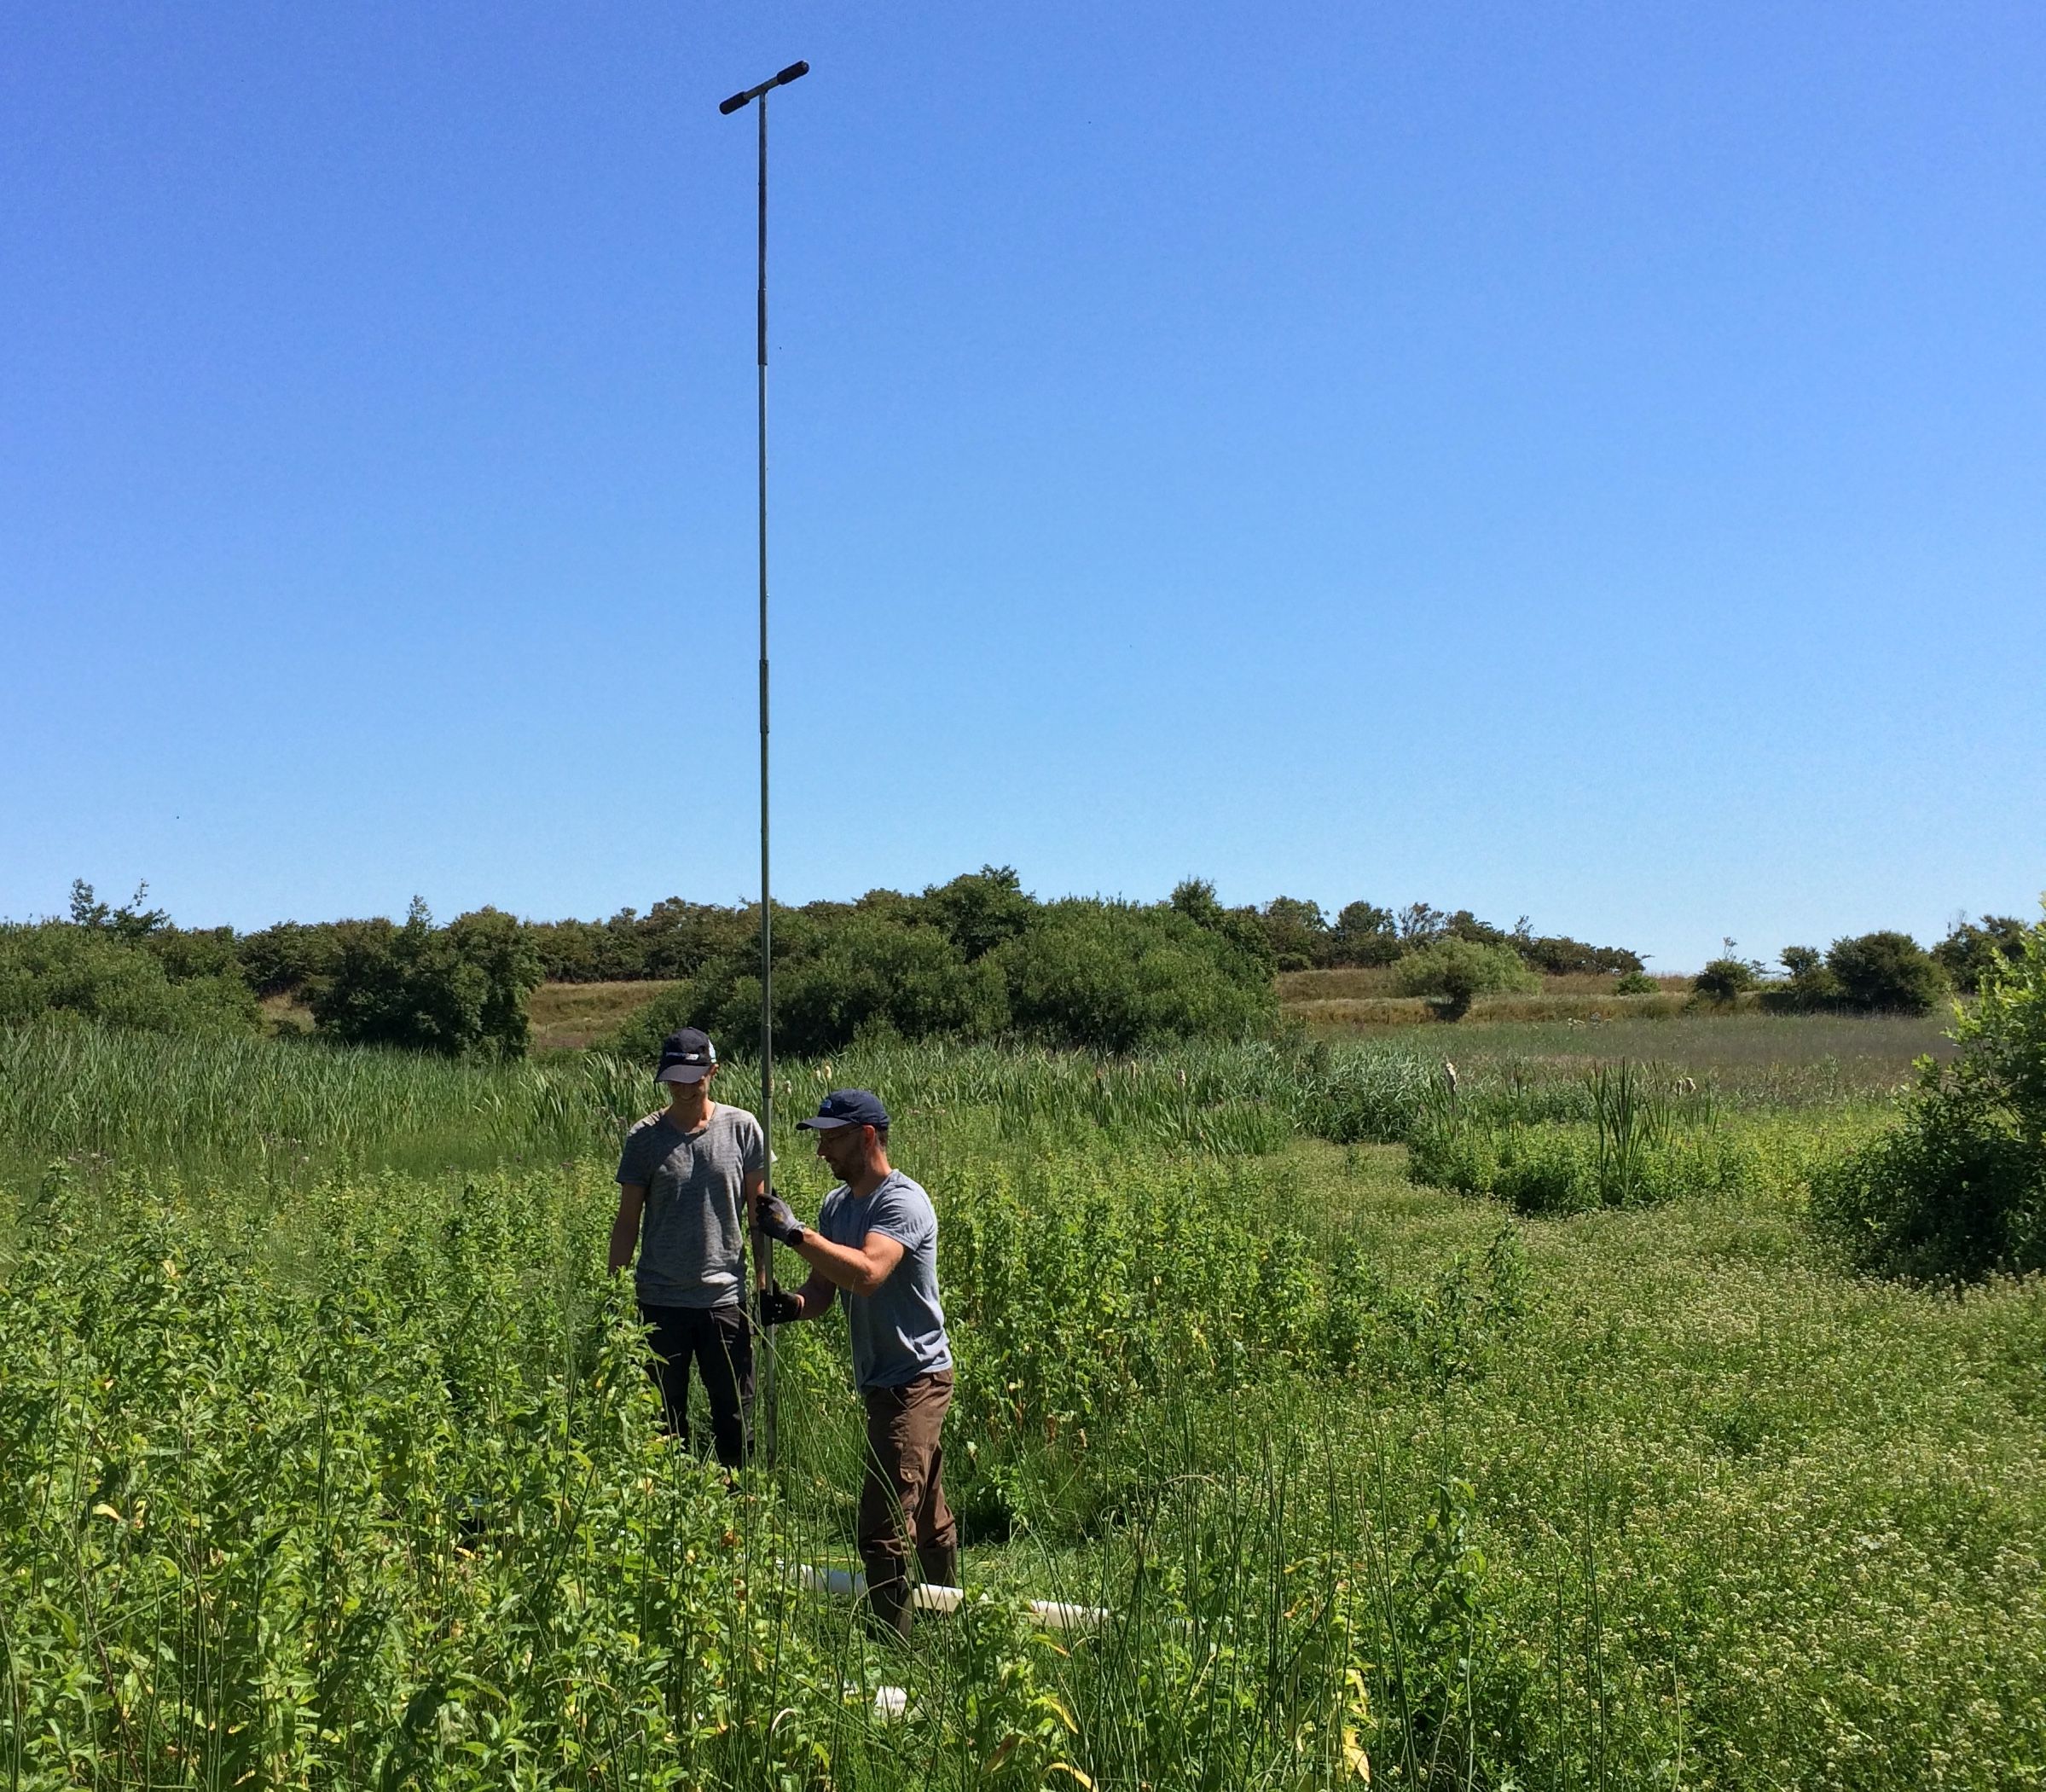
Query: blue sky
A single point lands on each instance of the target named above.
(1586, 462)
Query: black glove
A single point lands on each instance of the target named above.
(778, 1308)
(776, 1220)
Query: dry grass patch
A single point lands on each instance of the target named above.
(567, 1017)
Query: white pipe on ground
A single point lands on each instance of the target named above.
(846, 1583)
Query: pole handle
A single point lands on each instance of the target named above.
(794, 72)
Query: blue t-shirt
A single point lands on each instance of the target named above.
(898, 1331)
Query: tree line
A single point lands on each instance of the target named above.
(975, 958)
(1883, 972)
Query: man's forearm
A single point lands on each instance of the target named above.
(838, 1264)
(623, 1237)
(813, 1299)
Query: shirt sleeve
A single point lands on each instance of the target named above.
(632, 1161)
(753, 1150)
(903, 1215)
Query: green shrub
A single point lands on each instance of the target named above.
(1951, 1194)
(290, 956)
(1970, 947)
(1886, 973)
(1110, 977)
(1958, 1189)
(87, 973)
(1453, 972)
(1636, 983)
(1809, 988)
(1364, 935)
(866, 977)
(460, 990)
(1099, 976)
(1298, 932)
(1726, 979)
(983, 909)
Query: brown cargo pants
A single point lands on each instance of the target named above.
(903, 1497)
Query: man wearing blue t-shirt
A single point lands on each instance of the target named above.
(876, 1241)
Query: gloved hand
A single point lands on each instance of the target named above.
(776, 1219)
(779, 1307)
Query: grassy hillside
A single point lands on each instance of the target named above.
(568, 1016)
(1352, 1001)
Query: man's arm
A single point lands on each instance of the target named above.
(813, 1299)
(857, 1272)
(625, 1229)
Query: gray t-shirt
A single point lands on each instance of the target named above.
(898, 1331)
(693, 1231)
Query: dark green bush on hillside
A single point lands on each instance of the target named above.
(290, 956)
(1455, 971)
(91, 973)
(1108, 976)
(1886, 973)
(1242, 928)
(460, 990)
(1091, 975)
(1297, 932)
(1958, 1189)
(1727, 979)
(1364, 935)
(857, 975)
(982, 910)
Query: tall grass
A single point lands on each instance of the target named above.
(351, 1477)
(173, 1100)
(166, 1100)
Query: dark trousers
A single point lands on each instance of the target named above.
(902, 1496)
(719, 1340)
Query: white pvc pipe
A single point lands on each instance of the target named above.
(847, 1583)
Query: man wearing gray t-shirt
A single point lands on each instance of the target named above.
(876, 1241)
(686, 1180)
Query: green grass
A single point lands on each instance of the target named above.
(346, 1473)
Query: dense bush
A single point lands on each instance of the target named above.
(861, 978)
(1886, 973)
(1958, 1189)
(1099, 975)
(1454, 971)
(1300, 937)
(1970, 949)
(1112, 977)
(290, 956)
(1727, 979)
(460, 989)
(1808, 986)
(91, 974)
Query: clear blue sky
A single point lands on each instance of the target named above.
(1583, 461)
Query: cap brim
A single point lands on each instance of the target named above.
(821, 1125)
(684, 1073)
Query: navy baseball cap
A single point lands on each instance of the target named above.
(687, 1057)
(847, 1107)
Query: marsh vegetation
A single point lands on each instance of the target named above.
(330, 1460)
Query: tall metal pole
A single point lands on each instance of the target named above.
(761, 1246)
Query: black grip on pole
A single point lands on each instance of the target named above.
(794, 72)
